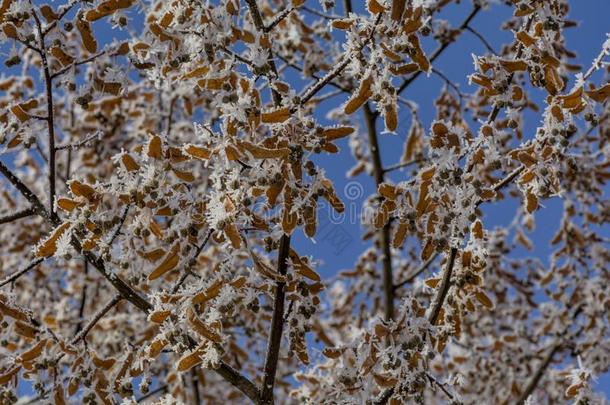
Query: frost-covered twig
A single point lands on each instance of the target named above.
(339, 67)
(80, 143)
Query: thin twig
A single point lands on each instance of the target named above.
(18, 215)
(312, 75)
(481, 38)
(441, 48)
(521, 48)
(401, 165)
(24, 190)
(345, 60)
(191, 263)
(83, 298)
(80, 143)
(419, 271)
(61, 15)
(19, 273)
(450, 84)
(78, 63)
(319, 13)
(278, 18)
(441, 386)
(152, 393)
(98, 315)
(117, 232)
(559, 343)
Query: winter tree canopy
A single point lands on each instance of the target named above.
(158, 158)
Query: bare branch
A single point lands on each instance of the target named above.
(98, 315)
(481, 38)
(18, 215)
(401, 165)
(319, 13)
(19, 273)
(277, 324)
(441, 293)
(50, 113)
(419, 271)
(25, 191)
(78, 63)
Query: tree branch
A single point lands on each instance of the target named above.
(78, 63)
(277, 325)
(384, 234)
(98, 315)
(19, 273)
(539, 373)
(441, 48)
(25, 191)
(481, 38)
(50, 113)
(443, 289)
(18, 215)
(344, 61)
(278, 18)
(80, 143)
(418, 271)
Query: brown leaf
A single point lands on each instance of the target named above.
(84, 28)
(129, 162)
(154, 147)
(483, 299)
(33, 353)
(8, 376)
(532, 202)
(67, 205)
(260, 152)
(201, 328)
(359, 98)
(375, 7)
(106, 8)
(197, 152)
(337, 132)
(276, 116)
(600, 94)
(302, 268)
(169, 263)
(400, 235)
(391, 117)
(49, 246)
(233, 234)
(191, 359)
(398, 8)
